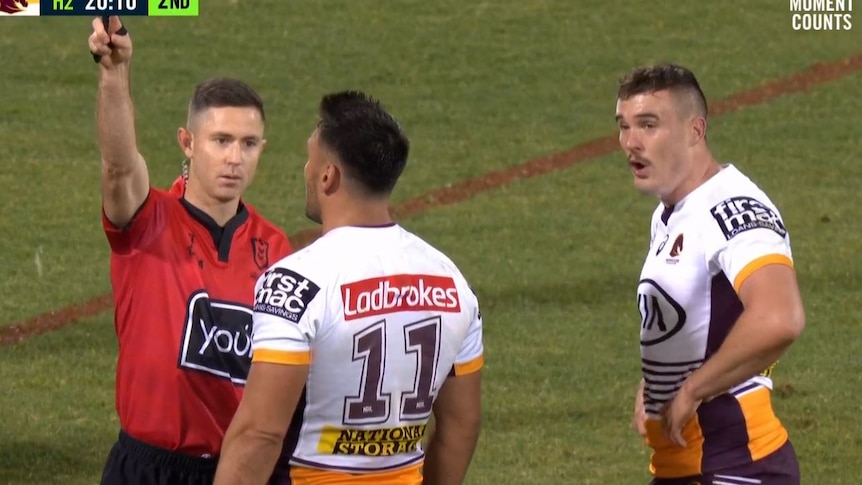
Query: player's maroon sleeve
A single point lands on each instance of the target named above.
(147, 223)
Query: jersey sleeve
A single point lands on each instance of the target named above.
(470, 356)
(749, 235)
(288, 308)
(150, 219)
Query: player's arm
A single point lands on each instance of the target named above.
(772, 319)
(125, 181)
(457, 422)
(253, 441)
(639, 417)
(281, 354)
(457, 413)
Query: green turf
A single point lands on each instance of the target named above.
(479, 86)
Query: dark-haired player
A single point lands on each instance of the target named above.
(362, 335)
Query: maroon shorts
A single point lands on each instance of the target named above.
(779, 468)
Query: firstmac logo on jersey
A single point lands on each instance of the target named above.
(403, 292)
(285, 294)
(739, 214)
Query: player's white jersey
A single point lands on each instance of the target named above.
(701, 252)
(384, 318)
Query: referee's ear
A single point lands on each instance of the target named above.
(186, 141)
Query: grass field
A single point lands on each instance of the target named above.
(480, 87)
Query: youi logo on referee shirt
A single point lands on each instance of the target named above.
(217, 338)
(285, 294)
(821, 15)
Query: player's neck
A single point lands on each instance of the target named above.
(357, 213)
(221, 212)
(703, 170)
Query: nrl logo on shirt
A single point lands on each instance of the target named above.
(260, 252)
(739, 214)
(285, 294)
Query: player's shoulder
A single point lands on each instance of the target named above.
(307, 264)
(732, 182)
(333, 258)
(446, 264)
(734, 204)
(446, 267)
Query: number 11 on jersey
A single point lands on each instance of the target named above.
(372, 405)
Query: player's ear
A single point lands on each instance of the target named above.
(698, 130)
(330, 179)
(184, 138)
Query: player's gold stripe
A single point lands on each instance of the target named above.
(757, 264)
(671, 460)
(471, 366)
(281, 357)
(410, 475)
(765, 432)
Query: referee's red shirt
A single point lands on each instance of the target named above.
(183, 290)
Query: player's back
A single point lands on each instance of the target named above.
(387, 318)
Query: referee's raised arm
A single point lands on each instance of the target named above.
(125, 181)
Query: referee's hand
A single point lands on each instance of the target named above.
(111, 47)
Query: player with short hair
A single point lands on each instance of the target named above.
(361, 336)
(717, 294)
(183, 267)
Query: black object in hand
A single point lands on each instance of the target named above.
(106, 22)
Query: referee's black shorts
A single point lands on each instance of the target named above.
(133, 462)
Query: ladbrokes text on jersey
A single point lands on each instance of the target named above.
(405, 292)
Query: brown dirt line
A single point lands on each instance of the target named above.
(798, 82)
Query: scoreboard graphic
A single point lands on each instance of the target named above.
(95, 8)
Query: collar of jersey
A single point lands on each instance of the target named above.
(726, 168)
(360, 230)
(222, 235)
